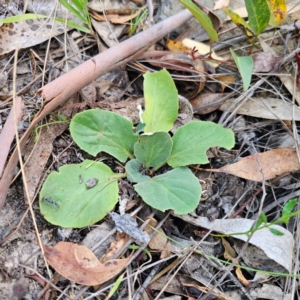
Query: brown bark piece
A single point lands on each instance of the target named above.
(8, 133)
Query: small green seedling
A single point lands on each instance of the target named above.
(262, 222)
(84, 201)
(286, 214)
(260, 14)
(134, 23)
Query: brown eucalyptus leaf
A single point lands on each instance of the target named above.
(264, 166)
(224, 80)
(79, 264)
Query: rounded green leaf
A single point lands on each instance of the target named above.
(153, 150)
(133, 171)
(178, 189)
(161, 101)
(98, 130)
(191, 141)
(258, 14)
(73, 204)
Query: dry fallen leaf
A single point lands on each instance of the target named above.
(79, 264)
(221, 3)
(266, 62)
(286, 76)
(263, 62)
(267, 108)
(241, 277)
(177, 46)
(121, 239)
(213, 293)
(38, 152)
(275, 252)
(160, 241)
(230, 254)
(34, 32)
(224, 80)
(269, 291)
(208, 102)
(203, 49)
(264, 166)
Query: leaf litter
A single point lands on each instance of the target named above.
(257, 159)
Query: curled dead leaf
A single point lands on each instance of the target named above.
(77, 263)
(241, 277)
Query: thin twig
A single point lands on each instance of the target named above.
(142, 288)
(150, 12)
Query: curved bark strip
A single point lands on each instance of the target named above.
(8, 133)
(58, 91)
